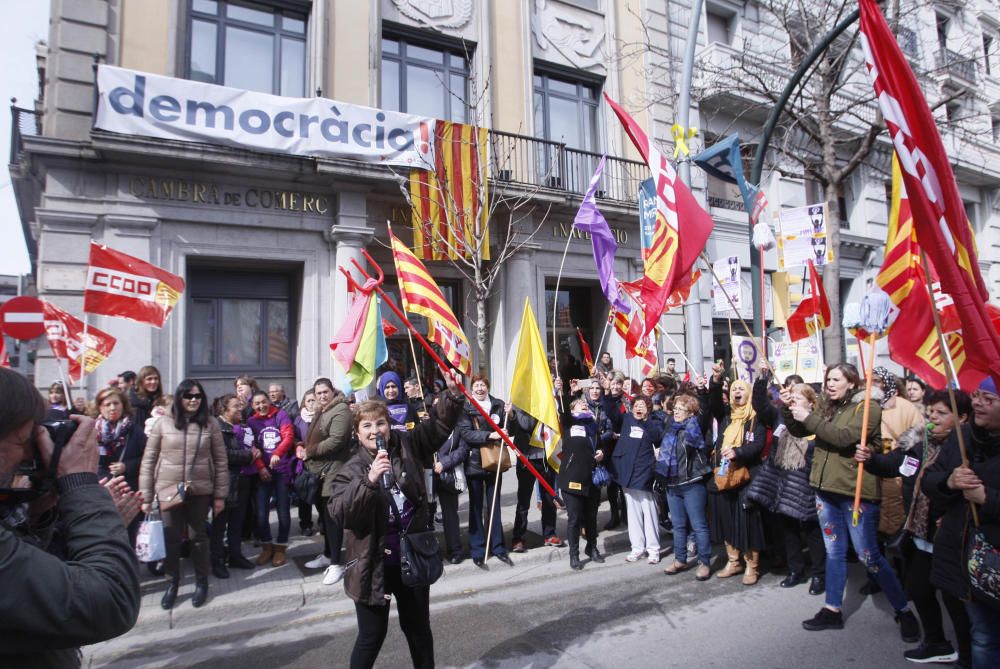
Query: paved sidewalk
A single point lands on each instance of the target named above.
(252, 601)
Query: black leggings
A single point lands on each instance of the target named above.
(413, 605)
(581, 511)
(333, 534)
(919, 588)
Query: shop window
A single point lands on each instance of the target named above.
(240, 322)
(425, 79)
(252, 46)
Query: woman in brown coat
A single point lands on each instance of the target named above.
(361, 504)
(185, 469)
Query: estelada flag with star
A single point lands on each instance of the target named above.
(121, 285)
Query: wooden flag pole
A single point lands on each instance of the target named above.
(444, 368)
(732, 305)
(555, 310)
(864, 428)
(952, 377)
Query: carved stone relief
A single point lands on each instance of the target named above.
(567, 35)
(450, 15)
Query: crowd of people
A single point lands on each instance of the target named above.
(767, 472)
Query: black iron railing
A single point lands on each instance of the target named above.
(957, 65)
(22, 122)
(541, 163)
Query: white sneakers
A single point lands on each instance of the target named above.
(319, 562)
(654, 557)
(634, 556)
(333, 574)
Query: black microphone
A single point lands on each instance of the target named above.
(380, 446)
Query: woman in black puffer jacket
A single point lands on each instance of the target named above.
(953, 486)
(782, 487)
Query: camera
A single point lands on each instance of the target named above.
(32, 480)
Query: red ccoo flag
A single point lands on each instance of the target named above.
(939, 220)
(682, 226)
(120, 285)
(65, 335)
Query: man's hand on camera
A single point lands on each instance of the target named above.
(79, 455)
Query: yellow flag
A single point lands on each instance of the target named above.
(531, 388)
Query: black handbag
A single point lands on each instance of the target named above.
(420, 562)
(309, 486)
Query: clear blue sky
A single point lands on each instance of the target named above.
(24, 23)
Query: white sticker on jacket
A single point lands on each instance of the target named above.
(636, 432)
(578, 431)
(910, 466)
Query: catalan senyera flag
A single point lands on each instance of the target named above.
(451, 203)
(682, 227)
(813, 313)
(65, 334)
(532, 391)
(420, 295)
(121, 285)
(901, 267)
(939, 219)
(359, 345)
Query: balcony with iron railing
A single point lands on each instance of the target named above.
(543, 164)
(958, 67)
(23, 122)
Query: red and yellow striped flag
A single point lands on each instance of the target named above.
(901, 267)
(421, 295)
(450, 205)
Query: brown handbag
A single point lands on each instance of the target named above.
(494, 454)
(729, 475)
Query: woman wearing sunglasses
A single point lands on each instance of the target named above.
(185, 469)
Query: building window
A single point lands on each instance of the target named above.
(995, 127)
(942, 22)
(565, 116)
(718, 27)
(240, 322)
(256, 47)
(425, 80)
(987, 53)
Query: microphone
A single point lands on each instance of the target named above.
(386, 478)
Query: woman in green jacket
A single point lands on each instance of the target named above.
(837, 425)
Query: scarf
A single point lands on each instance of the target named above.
(111, 437)
(306, 415)
(732, 437)
(668, 446)
(586, 420)
(918, 520)
(889, 387)
(791, 452)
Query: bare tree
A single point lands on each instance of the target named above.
(511, 212)
(831, 124)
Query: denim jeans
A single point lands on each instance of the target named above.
(985, 635)
(277, 487)
(687, 504)
(835, 522)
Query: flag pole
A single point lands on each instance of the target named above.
(83, 358)
(674, 344)
(604, 335)
(555, 309)
(952, 377)
(864, 428)
(386, 299)
(496, 491)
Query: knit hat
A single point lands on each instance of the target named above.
(989, 385)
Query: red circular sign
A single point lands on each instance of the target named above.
(23, 317)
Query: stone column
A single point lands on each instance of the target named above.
(519, 282)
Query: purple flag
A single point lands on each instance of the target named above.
(590, 219)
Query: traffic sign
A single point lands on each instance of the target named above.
(23, 317)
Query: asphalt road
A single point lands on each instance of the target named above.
(543, 615)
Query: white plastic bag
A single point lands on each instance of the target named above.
(149, 543)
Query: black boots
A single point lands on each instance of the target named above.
(574, 561)
(594, 554)
(219, 569)
(170, 596)
(200, 592)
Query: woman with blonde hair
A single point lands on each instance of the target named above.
(740, 442)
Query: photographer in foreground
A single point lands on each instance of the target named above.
(51, 605)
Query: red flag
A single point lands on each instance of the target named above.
(939, 219)
(587, 357)
(120, 285)
(65, 335)
(813, 313)
(388, 329)
(4, 360)
(672, 254)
